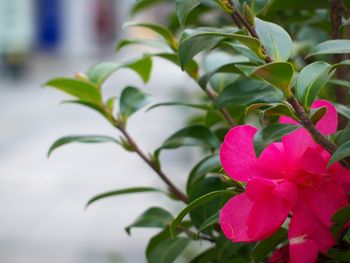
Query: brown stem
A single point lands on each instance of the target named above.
(302, 115)
(315, 133)
(224, 111)
(337, 9)
(172, 188)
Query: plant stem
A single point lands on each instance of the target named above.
(299, 110)
(172, 188)
(224, 111)
(315, 133)
(341, 93)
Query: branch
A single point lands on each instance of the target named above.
(224, 111)
(341, 93)
(302, 115)
(172, 188)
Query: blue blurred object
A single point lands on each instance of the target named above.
(49, 23)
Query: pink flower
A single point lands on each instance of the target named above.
(290, 178)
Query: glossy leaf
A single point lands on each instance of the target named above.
(276, 40)
(270, 134)
(194, 41)
(143, 67)
(131, 100)
(210, 221)
(279, 74)
(227, 68)
(340, 46)
(265, 247)
(97, 108)
(98, 73)
(142, 5)
(133, 190)
(247, 92)
(311, 80)
(82, 90)
(81, 139)
(190, 105)
(207, 165)
(198, 202)
(184, 8)
(317, 114)
(196, 135)
(341, 153)
(340, 219)
(154, 217)
(123, 43)
(164, 249)
(343, 110)
(159, 29)
(206, 256)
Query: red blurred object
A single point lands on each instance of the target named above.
(105, 21)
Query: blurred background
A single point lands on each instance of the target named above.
(42, 200)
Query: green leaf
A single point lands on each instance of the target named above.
(342, 109)
(154, 217)
(142, 5)
(143, 67)
(207, 165)
(226, 68)
(280, 109)
(133, 190)
(341, 153)
(317, 114)
(184, 8)
(200, 188)
(98, 73)
(339, 255)
(191, 68)
(123, 43)
(275, 39)
(196, 135)
(210, 221)
(339, 82)
(339, 46)
(207, 256)
(164, 249)
(278, 74)
(190, 105)
(196, 203)
(194, 41)
(246, 92)
(82, 90)
(340, 219)
(270, 134)
(81, 139)
(161, 30)
(90, 105)
(131, 100)
(264, 248)
(311, 80)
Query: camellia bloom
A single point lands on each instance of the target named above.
(290, 178)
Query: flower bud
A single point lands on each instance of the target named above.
(81, 76)
(226, 5)
(248, 14)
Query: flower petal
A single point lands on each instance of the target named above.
(329, 122)
(233, 218)
(324, 200)
(296, 143)
(305, 252)
(237, 153)
(258, 213)
(270, 208)
(306, 226)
